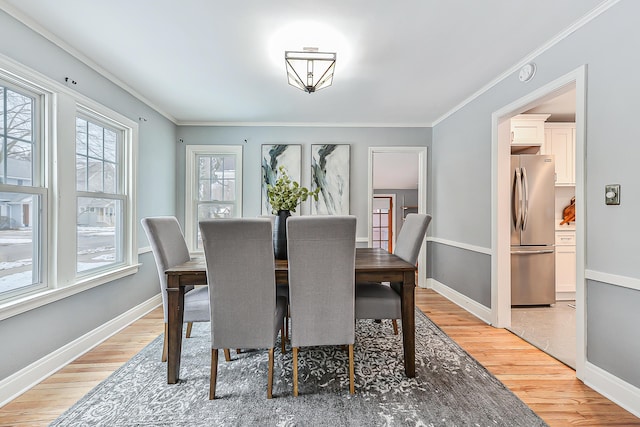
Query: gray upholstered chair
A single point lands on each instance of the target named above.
(382, 301)
(170, 249)
(245, 312)
(321, 251)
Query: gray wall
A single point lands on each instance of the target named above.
(470, 275)
(360, 140)
(612, 333)
(36, 333)
(462, 210)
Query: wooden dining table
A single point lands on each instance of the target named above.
(371, 265)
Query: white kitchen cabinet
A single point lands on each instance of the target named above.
(528, 129)
(560, 140)
(565, 265)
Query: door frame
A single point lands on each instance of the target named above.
(500, 212)
(421, 152)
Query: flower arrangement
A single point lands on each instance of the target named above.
(286, 194)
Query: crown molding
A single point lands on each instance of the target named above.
(600, 9)
(305, 124)
(34, 26)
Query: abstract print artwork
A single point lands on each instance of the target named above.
(330, 165)
(274, 156)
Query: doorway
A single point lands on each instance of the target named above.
(552, 327)
(401, 171)
(501, 261)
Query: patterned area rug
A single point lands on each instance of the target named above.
(450, 387)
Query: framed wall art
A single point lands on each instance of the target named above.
(273, 156)
(330, 166)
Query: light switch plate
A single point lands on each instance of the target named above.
(612, 194)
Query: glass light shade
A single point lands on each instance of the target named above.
(310, 71)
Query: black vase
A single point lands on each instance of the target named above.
(280, 235)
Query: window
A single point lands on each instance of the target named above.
(67, 192)
(100, 199)
(214, 187)
(22, 192)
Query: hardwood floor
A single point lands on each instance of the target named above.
(46, 401)
(546, 385)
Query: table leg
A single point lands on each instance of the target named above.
(175, 295)
(409, 323)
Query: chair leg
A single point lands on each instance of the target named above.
(295, 371)
(270, 378)
(282, 340)
(395, 326)
(286, 323)
(166, 342)
(189, 326)
(227, 355)
(238, 350)
(214, 373)
(286, 326)
(351, 370)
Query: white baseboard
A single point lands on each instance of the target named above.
(613, 388)
(480, 311)
(565, 296)
(16, 384)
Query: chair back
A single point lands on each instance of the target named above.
(411, 236)
(241, 279)
(321, 251)
(168, 246)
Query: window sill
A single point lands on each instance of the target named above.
(29, 302)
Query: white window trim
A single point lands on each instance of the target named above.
(121, 194)
(190, 200)
(59, 104)
(40, 181)
(68, 109)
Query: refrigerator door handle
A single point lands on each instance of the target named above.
(517, 200)
(525, 200)
(543, 251)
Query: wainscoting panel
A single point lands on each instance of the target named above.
(465, 271)
(608, 320)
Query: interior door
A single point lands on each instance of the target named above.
(382, 224)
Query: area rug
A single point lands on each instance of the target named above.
(450, 387)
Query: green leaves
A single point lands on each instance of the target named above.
(287, 194)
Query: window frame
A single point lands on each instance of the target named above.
(191, 186)
(120, 193)
(58, 108)
(39, 181)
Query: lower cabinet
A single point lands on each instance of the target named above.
(565, 265)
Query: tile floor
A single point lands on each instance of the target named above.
(551, 329)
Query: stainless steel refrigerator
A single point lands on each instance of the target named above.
(533, 267)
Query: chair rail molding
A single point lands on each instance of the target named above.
(613, 279)
(466, 246)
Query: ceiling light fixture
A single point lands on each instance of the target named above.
(310, 70)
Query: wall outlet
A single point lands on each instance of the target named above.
(612, 194)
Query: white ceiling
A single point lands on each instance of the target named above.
(399, 63)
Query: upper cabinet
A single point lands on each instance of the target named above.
(528, 129)
(560, 140)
